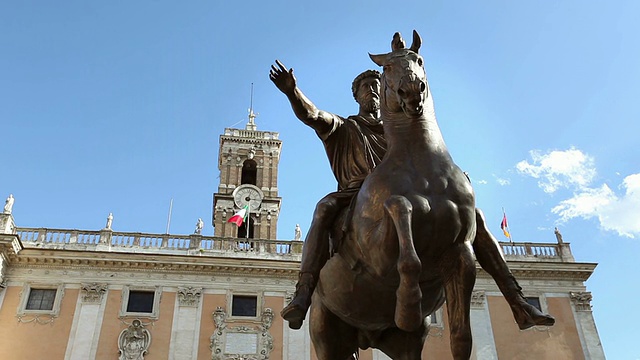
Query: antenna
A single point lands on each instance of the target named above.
(251, 125)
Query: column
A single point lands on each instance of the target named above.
(186, 324)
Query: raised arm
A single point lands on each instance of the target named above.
(305, 110)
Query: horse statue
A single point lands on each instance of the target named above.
(408, 247)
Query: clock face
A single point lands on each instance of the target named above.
(247, 195)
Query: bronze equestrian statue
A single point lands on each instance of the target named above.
(416, 206)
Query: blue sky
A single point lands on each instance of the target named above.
(118, 107)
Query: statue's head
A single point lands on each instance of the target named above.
(366, 90)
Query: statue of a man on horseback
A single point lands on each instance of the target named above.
(415, 222)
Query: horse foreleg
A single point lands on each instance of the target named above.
(408, 312)
(459, 275)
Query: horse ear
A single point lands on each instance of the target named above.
(378, 59)
(397, 42)
(417, 41)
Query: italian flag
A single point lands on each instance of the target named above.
(240, 216)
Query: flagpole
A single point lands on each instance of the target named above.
(169, 216)
(248, 220)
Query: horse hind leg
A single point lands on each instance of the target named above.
(408, 312)
(332, 338)
(459, 275)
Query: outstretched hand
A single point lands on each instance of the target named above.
(282, 77)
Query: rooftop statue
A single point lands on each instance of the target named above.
(8, 204)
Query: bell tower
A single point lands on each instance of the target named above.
(248, 162)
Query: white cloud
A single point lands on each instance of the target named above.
(483, 182)
(575, 170)
(503, 182)
(615, 213)
(569, 168)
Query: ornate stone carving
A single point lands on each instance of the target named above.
(134, 341)
(241, 342)
(477, 299)
(581, 300)
(189, 296)
(93, 293)
(217, 341)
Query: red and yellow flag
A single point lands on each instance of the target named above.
(505, 227)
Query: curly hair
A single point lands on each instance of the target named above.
(362, 76)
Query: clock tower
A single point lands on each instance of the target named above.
(248, 163)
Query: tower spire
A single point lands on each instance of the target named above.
(251, 125)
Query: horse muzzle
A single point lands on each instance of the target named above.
(411, 95)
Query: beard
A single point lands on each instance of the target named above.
(371, 105)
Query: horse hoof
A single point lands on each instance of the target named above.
(294, 315)
(533, 317)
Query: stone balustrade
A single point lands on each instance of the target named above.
(107, 240)
(537, 251)
(252, 134)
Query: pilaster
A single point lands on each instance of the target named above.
(589, 337)
(484, 345)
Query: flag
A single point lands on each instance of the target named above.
(504, 226)
(240, 216)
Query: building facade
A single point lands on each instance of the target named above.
(104, 294)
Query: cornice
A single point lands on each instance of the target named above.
(210, 263)
(547, 270)
(160, 263)
(272, 142)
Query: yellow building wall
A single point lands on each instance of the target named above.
(112, 325)
(20, 341)
(209, 304)
(560, 341)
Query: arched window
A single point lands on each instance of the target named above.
(249, 172)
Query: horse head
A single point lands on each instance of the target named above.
(404, 81)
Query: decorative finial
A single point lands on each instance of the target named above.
(251, 125)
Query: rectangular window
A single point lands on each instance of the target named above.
(244, 305)
(535, 301)
(140, 301)
(41, 299)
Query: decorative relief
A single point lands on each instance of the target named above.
(241, 342)
(477, 299)
(134, 341)
(93, 293)
(189, 296)
(43, 319)
(581, 300)
(288, 296)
